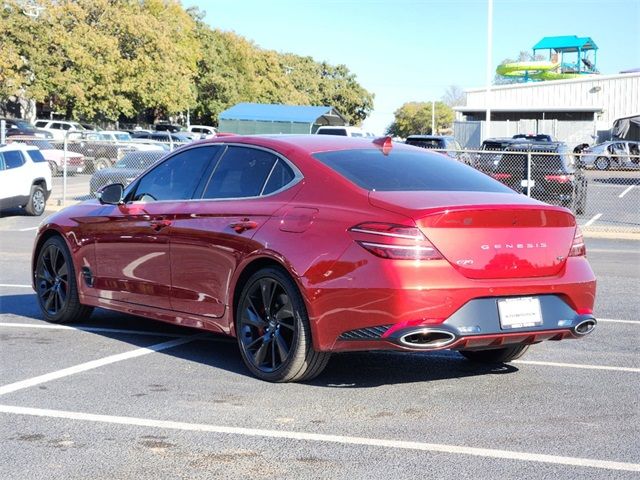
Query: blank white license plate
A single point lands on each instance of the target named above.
(519, 312)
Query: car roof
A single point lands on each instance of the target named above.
(308, 144)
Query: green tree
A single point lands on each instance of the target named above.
(414, 118)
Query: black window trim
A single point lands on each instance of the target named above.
(297, 174)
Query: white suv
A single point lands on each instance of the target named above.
(25, 178)
(343, 131)
(59, 128)
(204, 131)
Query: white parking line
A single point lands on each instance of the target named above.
(92, 329)
(27, 229)
(11, 285)
(615, 320)
(578, 365)
(626, 191)
(327, 438)
(83, 367)
(593, 220)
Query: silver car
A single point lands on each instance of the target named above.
(612, 154)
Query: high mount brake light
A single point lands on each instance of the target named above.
(384, 143)
(578, 248)
(412, 244)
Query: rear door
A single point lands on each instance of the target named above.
(210, 237)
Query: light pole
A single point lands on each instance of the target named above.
(489, 66)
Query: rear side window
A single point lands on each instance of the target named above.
(332, 131)
(13, 159)
(36, 156)
(242, 172)
(403, 170)
(280, 176)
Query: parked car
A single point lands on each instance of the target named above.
(167, 127)
(125, 170)
(343, 131)
(554, 178)
(103, 150)
(534, 137)
(612, 154)
(15, 126)
(59, 128)
(113, 136)
(441, 144)
(53, 156)
(203, 131)
(25, 179)
(166, 137)
(494, 148)
(412, 251)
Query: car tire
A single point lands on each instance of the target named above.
(272, 329)
(602, 163)
(54, 169)
(37, 201)
(55, 282)
(101, 164)
(498, 355)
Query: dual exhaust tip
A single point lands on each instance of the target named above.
(431, 338)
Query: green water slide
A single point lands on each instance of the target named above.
(534, 71)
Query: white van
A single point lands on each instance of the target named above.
(344, 131)
(59, 128)
(204, 131)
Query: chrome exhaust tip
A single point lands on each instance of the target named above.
(585, 327)
(427, 338)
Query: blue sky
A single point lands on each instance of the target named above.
(408, 50)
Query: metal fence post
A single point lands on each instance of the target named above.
(529, 173)
(3, 126)
(64, 169)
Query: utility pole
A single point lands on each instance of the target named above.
(487, 94)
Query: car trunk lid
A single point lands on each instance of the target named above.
(488, 235)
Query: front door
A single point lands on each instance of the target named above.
(132, 251)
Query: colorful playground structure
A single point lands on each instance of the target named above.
(568, 58)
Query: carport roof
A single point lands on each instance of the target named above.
(283, 113)
(566, 43)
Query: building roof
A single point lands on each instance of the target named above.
(582, 78)
(283, 113)
(566, 43)
(542, 108)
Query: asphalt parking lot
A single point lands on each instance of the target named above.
(124, 397)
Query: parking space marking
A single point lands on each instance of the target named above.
(577, 365)
(615, 320)
(593, 220)
(327, 438)
(10, 285)
(83, 367)
(92, 329)
(627, 190)
(27, 229)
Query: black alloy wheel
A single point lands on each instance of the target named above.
(273, 329)
(55, 284)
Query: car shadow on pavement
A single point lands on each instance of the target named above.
(344, 370)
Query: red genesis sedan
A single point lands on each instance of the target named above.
(300, 246)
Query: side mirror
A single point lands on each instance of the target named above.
(111, 194)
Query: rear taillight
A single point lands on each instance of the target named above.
(559, 178)
(501, 176)
(578, 248)
(396, 242)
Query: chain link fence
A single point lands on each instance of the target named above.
(602, 189)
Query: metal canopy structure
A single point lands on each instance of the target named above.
(253, 118)
(566, 43)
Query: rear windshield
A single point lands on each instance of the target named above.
(426, 143)
(332, 131)
(403, 170)
(559, 160)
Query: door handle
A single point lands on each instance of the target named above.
(242, 225)
(158, 225)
